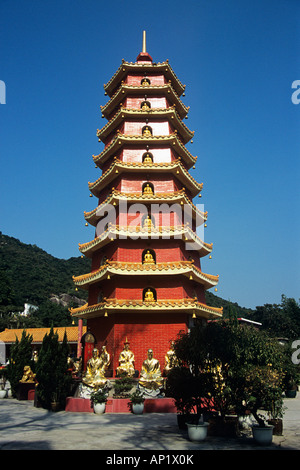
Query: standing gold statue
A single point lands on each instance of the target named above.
(95, 370)
(126, 361)
(150, 374)
(170, 359)
(148, 222)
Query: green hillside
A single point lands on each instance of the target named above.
(34, 275)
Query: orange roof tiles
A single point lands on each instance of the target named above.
(10, 335)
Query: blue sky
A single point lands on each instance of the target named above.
(238, 60)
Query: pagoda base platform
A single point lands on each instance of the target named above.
(121, 405)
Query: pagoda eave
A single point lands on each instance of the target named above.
(152, 113)
(185, 268)
(189, 306)
(116, 197)
(118, 167)
(166, 90)
(114, 232)
(111, 86)
(139, 140)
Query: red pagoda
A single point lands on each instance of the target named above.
(146, 283)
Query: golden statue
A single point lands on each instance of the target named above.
(170, 359)
(126, 361)
(95, 370)
(150, 374)
(28, 375)
(148, 159)
(148, 222)
(148, 258)
(145, 106)
(147, 189)
(149, 297)
(145, 82)
(147, 132)
(35, 355)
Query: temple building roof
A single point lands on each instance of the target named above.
(115, 231)
(9, 336)
(167, 90)
(118, 167)
(186, 268)
(154, 113)
(173, 306)
(120, 140)
(127, 67)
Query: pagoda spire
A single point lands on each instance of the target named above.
(144, 56)
(144, 42)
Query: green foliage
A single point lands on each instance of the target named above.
(216, 362)
(136, 397)
(51, 371)
(20, 356)
(99, 396)
(34, 275)
(279, 320)
(123, 385)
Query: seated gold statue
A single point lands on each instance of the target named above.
(148, 222)
(150, 373)
(126, 361)
(28, 375)
(147, 159)
(147, 132)
(95, 369)
(149, 297)
(145, 82)
(147, 189)
(170, 359)
(145, 106)
(148, 258)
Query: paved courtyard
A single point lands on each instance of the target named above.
(24, 427)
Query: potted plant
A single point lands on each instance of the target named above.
(263, 387)
(137, 402)
(98, 401)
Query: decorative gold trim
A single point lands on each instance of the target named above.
(92, 218)
(120, 139)
(170, 113)
(115, 231)
(124, 89)
(110, 174)
(186, 268)
(188, 306)
(125, 67)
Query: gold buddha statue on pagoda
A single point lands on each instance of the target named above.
(147, 132)
(148, 222)
(149, 296)
(148, 159)
(126, 361)
(147, 189)
(145, 106)
(150, 377)
(96, 368)
(145, 82)
(148, 258)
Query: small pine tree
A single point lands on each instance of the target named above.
(51, 371)
(20, 356)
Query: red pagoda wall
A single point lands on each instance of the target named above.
(152, 331)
